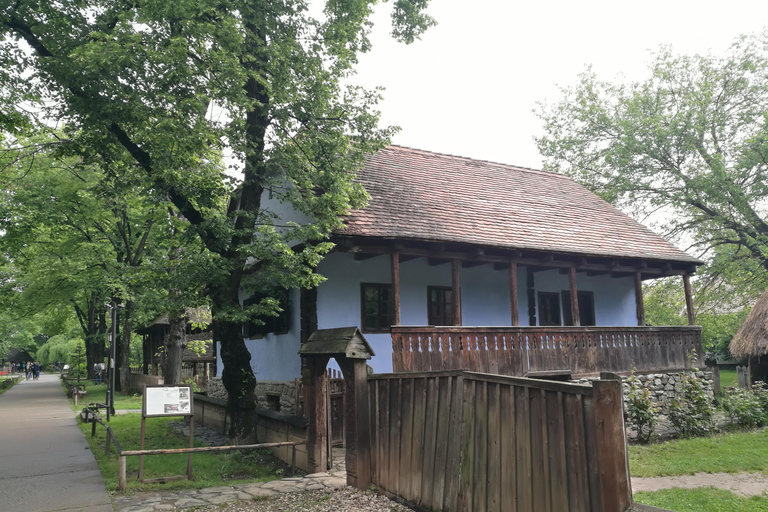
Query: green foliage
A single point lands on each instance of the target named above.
(726, 453)
(642, 411)
(704, 499)
(690, 409)
(743, 408)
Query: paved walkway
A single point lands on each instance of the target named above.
(45, 462)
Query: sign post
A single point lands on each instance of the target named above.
(163, 401)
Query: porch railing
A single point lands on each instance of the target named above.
(521, 351)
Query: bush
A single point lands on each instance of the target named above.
(642, 412)
(743, 407)
(690, 410)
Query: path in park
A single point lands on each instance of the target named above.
(45, 462)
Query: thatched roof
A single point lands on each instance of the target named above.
(752, 337)
(18, 355)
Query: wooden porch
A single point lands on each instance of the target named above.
(545, 351)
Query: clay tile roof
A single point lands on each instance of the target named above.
(420, 195)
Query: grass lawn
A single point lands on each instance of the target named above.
(209, 469)
(99, 394)
(705, 499)
(728, 378)
(726, 453)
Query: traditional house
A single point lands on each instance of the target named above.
(449, 245)
(198, 328)
(751, 340)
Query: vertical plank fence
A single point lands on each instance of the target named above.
(464, 441)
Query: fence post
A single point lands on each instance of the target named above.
(121, 473)
(612, 461)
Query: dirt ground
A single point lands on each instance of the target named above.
(743, 484)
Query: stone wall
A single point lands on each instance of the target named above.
(268, 394)
(663, 386)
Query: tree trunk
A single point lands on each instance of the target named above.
(174, 348)
(237, 377)
(125, 347)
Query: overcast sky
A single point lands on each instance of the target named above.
(470, 85)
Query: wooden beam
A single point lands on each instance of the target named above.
(455, 266)
(404, 258)
(639, 299)
(433, 262)
(473, 263)
(513, 304)
(688, 299)
(574, 297)
(395, 259)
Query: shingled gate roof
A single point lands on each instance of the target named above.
(427, 196)
(752, 337)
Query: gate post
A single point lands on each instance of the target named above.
(356, 422)
(612, 460)
(316, 410)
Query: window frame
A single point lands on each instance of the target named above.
(379, 328)
(566, 306)
(554, 298)
(447, 306)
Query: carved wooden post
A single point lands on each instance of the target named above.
(689, 299)
(513, 304)
(455, 265)
(316, 410)
(574, 297)
(395, 258)
(356, 423)
(639, 299)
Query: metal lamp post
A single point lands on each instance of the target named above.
(111, 364)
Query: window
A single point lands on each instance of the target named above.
(549, 308)
(376, 307)
(439, 305)
(279, 324)
(586, 307)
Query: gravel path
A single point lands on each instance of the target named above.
(346, 499)
(743, 484)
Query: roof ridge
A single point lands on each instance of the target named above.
(490, 162)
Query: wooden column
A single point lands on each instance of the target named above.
(639, 299)
(357, 437)
(689, 299)
(513, 305)
(395, 258)
(455, 265)
(574, 297)
(316, 409)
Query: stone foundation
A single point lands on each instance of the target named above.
(274, 395)
(663, 386)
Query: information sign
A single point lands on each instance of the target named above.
(167, 401)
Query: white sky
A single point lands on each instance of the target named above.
(470, 85)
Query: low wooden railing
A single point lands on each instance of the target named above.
(521, 351)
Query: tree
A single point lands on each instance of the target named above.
(167, 85)
(689, 144)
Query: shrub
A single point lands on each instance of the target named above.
(743, 407)
(642, 412)
(690, 410)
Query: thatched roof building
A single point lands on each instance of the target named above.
(752, 337)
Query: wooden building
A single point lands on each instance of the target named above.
(464, 264)
(154, 335)
(751, 340)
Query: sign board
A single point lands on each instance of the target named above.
(167, 401)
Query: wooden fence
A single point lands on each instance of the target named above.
(520, 351)
(463, 441)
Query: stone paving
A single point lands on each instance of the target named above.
(219, 495)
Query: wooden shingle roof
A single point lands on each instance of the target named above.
(426, 196)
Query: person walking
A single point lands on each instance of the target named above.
(29, 370)
(96, 374)
(36, 370)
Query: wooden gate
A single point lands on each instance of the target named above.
(463, 441)
(335, 393)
